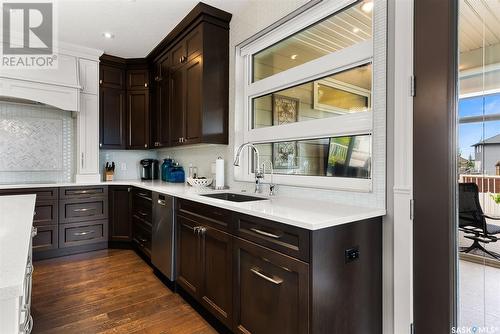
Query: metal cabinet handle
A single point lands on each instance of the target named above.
(82, 233)
(34, 231)
(100, 82)
(162, 202)
(275, 280)
(83, 209)
(144, 214)
(100, 144)
(267, 234)
(146, 145)
(146, 84)
(144, 196)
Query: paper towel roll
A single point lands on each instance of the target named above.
(219, 173)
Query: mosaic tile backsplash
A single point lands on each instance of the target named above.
(37, 143)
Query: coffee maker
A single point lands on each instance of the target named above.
(149, 169)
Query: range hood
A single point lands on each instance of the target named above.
(58, 87)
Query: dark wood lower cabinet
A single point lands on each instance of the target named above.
(46, 238)
(188, 256)
(262, 277)
(272, 291)
(204, 266)
(119, 213)
(217, 273)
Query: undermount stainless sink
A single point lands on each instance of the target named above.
(235, 197)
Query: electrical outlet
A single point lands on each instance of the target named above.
(123, 166)
(351, 254)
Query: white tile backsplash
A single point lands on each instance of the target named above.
(128, 159)
(36, 143)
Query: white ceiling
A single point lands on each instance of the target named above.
(138, 25)
(479, 24)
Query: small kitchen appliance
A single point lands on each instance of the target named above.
(149, 169)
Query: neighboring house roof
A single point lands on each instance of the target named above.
(495, 140)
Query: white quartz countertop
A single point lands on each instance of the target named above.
(310, 214)
(16, 219)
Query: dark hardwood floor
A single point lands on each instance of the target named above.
(108, 291)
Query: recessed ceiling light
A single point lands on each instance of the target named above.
(108, 35)
(293, 57)
(355, 30)
(367, 7)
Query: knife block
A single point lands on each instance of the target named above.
(108, 175)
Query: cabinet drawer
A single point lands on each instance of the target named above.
(88, 209)
(42, 194)
(141, 236)
(46, 238)
(143, 194)
(289, 240)
(206, 214)
(83, 192)
(272, 294)
(46, 213)
(83, 233)
(142, 209)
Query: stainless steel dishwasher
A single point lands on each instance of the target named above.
(162, 247)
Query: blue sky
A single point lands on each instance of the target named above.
(471, 133)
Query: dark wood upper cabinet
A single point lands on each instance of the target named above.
(138, 119)
(177, 95)
(177, 101)
(112, 76)
(112, 118)
(119, 213)
(160, 124)
(137, 79)
(112, 104)
(199, 87)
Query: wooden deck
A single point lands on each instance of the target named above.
(109, 291)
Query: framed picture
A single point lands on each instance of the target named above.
(285, 155)
(285, 109)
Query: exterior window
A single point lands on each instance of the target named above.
(305, 96)
(348, 156)
(338, 31)
(343, 93)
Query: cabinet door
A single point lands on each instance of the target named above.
(193, 96)
(163, 104)
(138, 119)
(177, 89)
(111, 77)
(216, 262)
(112, 112)
(188, 256)
(137, 79)
(119, 213)
(272, 293)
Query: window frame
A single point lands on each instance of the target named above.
(343, 125)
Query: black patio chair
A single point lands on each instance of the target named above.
(472, 220)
